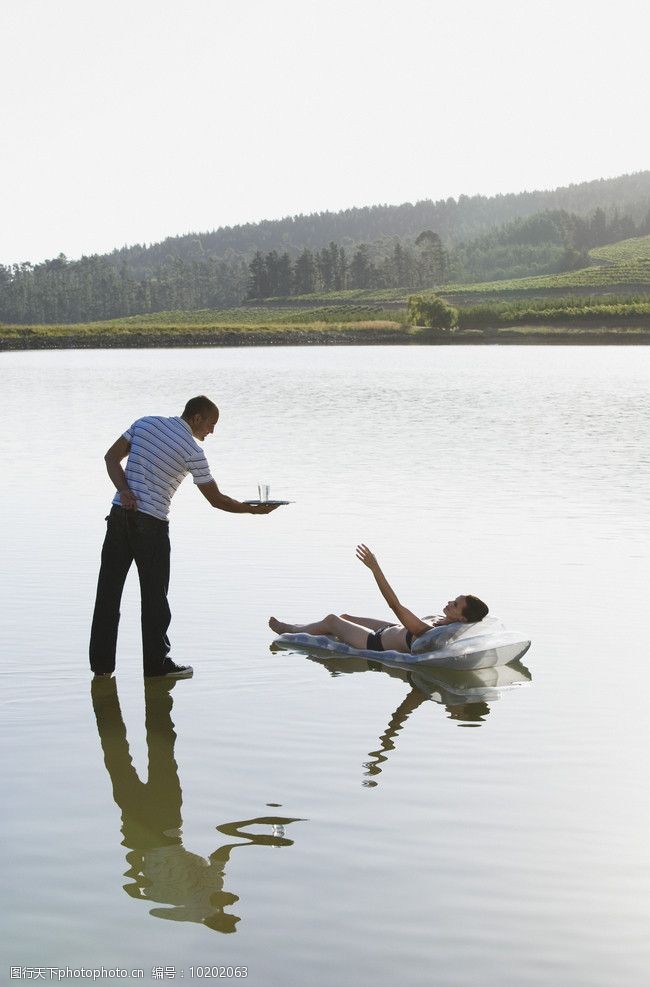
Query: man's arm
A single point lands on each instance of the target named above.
(113, 459)
(409, 620)
(222, 502)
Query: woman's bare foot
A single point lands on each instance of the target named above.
(280, 628)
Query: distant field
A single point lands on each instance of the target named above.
(520, 318)
(637, 248)
(352, 295)
(617, 266)
(567, 310)
(232, 320)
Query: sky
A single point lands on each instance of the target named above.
(129, 121)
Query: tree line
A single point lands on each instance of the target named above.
(422, 265)
(547, 243)
(93, 288)
(107, 287)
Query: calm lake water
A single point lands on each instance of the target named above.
(329, 822)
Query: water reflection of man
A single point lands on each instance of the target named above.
(160, 869)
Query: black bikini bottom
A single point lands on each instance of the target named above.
(374, 639)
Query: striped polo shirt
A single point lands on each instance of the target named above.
(163, 452)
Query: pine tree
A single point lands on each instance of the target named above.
(304, 274)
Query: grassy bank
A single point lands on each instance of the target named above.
(238, 327)
(375, 333)
(569, 320)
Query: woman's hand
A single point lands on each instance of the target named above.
(365, 555)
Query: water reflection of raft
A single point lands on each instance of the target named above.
(486, 644)
(473, 686)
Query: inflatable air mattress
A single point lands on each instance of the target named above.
(484, 644)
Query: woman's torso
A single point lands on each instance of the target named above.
(396, 637)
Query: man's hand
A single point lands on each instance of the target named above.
(128, 500)
(365, 555)
(223, 502)
(113, 459)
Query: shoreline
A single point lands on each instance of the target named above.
(523, 336)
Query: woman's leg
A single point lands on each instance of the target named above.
(372, 623)
(345, 630)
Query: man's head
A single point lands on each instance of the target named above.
(201, 414)
(468, 609)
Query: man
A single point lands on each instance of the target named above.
(161, 452)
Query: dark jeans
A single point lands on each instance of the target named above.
(131, 536)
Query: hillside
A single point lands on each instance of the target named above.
(636, 249)
(620, 267)
(608, 302)
(623, 268)
(415, 248)
(455, 220)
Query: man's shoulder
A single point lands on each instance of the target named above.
(173, 431)
(153, 420)
(174, 425)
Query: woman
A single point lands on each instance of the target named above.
(371, 634)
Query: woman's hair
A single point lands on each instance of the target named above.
(474, 609)
(199, 406)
